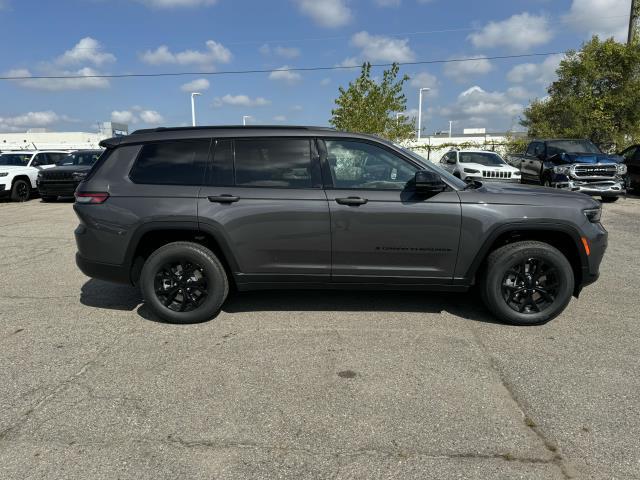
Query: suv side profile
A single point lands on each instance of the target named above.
(187, 213)
(19, 171)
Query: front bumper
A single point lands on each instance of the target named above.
(57, 189)
(607, 188)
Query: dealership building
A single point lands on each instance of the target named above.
(41, 139)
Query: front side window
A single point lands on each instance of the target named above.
(15, 159)
(360, 165)
(171, 163)
(273, 162)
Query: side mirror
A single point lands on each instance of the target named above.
(426, 181)
(35, 163)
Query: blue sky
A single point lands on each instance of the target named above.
(84, 37)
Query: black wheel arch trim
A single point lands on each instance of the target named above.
(500, 230)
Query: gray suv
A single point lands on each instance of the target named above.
(188, 213)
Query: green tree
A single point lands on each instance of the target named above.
(367, 106)
(596, 96)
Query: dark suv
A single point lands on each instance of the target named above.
(188, 212)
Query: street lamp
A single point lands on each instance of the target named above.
(424, 89)
(398, 115)
(193, 107)
(244, 119)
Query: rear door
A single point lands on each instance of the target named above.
(264, 202)
(531, 164)
(383, 232)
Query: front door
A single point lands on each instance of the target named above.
(265, 203)
(381, 231)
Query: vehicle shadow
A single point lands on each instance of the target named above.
(99, 294)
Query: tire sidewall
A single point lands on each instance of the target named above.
(493, 286)
(14, 191)
(216, 278)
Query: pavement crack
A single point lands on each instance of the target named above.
(558, 459)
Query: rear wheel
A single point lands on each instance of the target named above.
(184, 282)
(49, 198)
(527, 283)
(20, 191)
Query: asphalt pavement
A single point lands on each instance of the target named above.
(297, 385)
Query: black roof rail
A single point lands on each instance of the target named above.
(229, 127)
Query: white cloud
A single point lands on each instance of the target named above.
(326, 13)
(30, 120)
(87, 50)
(197, 85)
(286, 52)
(123, 116)
(325, 81)
(280, 118)
(605, 18)
(425, 79)
(296, 108)
(519, 33)
(284, 75)
(466, 67)
(137, 114)
(351, 62)
(177, 3)
(241, 101)
(378, 48)
(388, 3)
(543, 73)
(4, 5)
(82, 80)
(214, 53)
(519, 93)
(479, 107)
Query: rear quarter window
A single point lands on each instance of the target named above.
(171, 163)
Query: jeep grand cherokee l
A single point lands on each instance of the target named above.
(185, 213)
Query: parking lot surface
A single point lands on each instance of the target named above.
(309, 384)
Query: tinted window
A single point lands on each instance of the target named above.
(171, 163)
(79, 158)
(482, 158)
(273, 162)
(362, 165)
(17, 159)
(571, 146)
(41, 159)
(222, 170)
(55, 157)
(629, 153)
(531, 151)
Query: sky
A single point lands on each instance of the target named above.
(89, 37)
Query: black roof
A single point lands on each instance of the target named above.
(232, 131)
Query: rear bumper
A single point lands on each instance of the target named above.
(102, 271)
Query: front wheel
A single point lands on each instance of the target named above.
(20, 191)
(608, 199)
(527, 283)
(184, 282)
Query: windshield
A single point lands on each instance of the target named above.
(456, 182)
(80, 158)
(571, 146)
(483, 158)
(16, 159)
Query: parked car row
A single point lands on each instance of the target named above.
(51, 173)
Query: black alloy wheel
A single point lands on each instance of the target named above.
(20, 191)
(181, 286)
(530, 286)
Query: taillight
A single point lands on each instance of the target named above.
(91, 197)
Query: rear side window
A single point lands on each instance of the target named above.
(222, 168)
(171, 163)
(273, 162)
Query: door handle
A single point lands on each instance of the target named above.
(352, 201)
(226, 198)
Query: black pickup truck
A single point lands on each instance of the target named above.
(576, 165)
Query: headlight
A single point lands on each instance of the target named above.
(516, 173)
(471, 170)
(562, 169)
(621, 168)
(4, 174)
(593, 214)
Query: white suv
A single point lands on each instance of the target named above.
(19, 171)
(480, 165)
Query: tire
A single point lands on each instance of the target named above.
(162, 279)
(504, 281)
(49, 198)
(609, 199)
(546, 182)
(20, 191)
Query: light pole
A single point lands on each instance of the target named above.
(244, 119)
(398, 115)
(450, 124)
(193, 107)
(424, 89)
